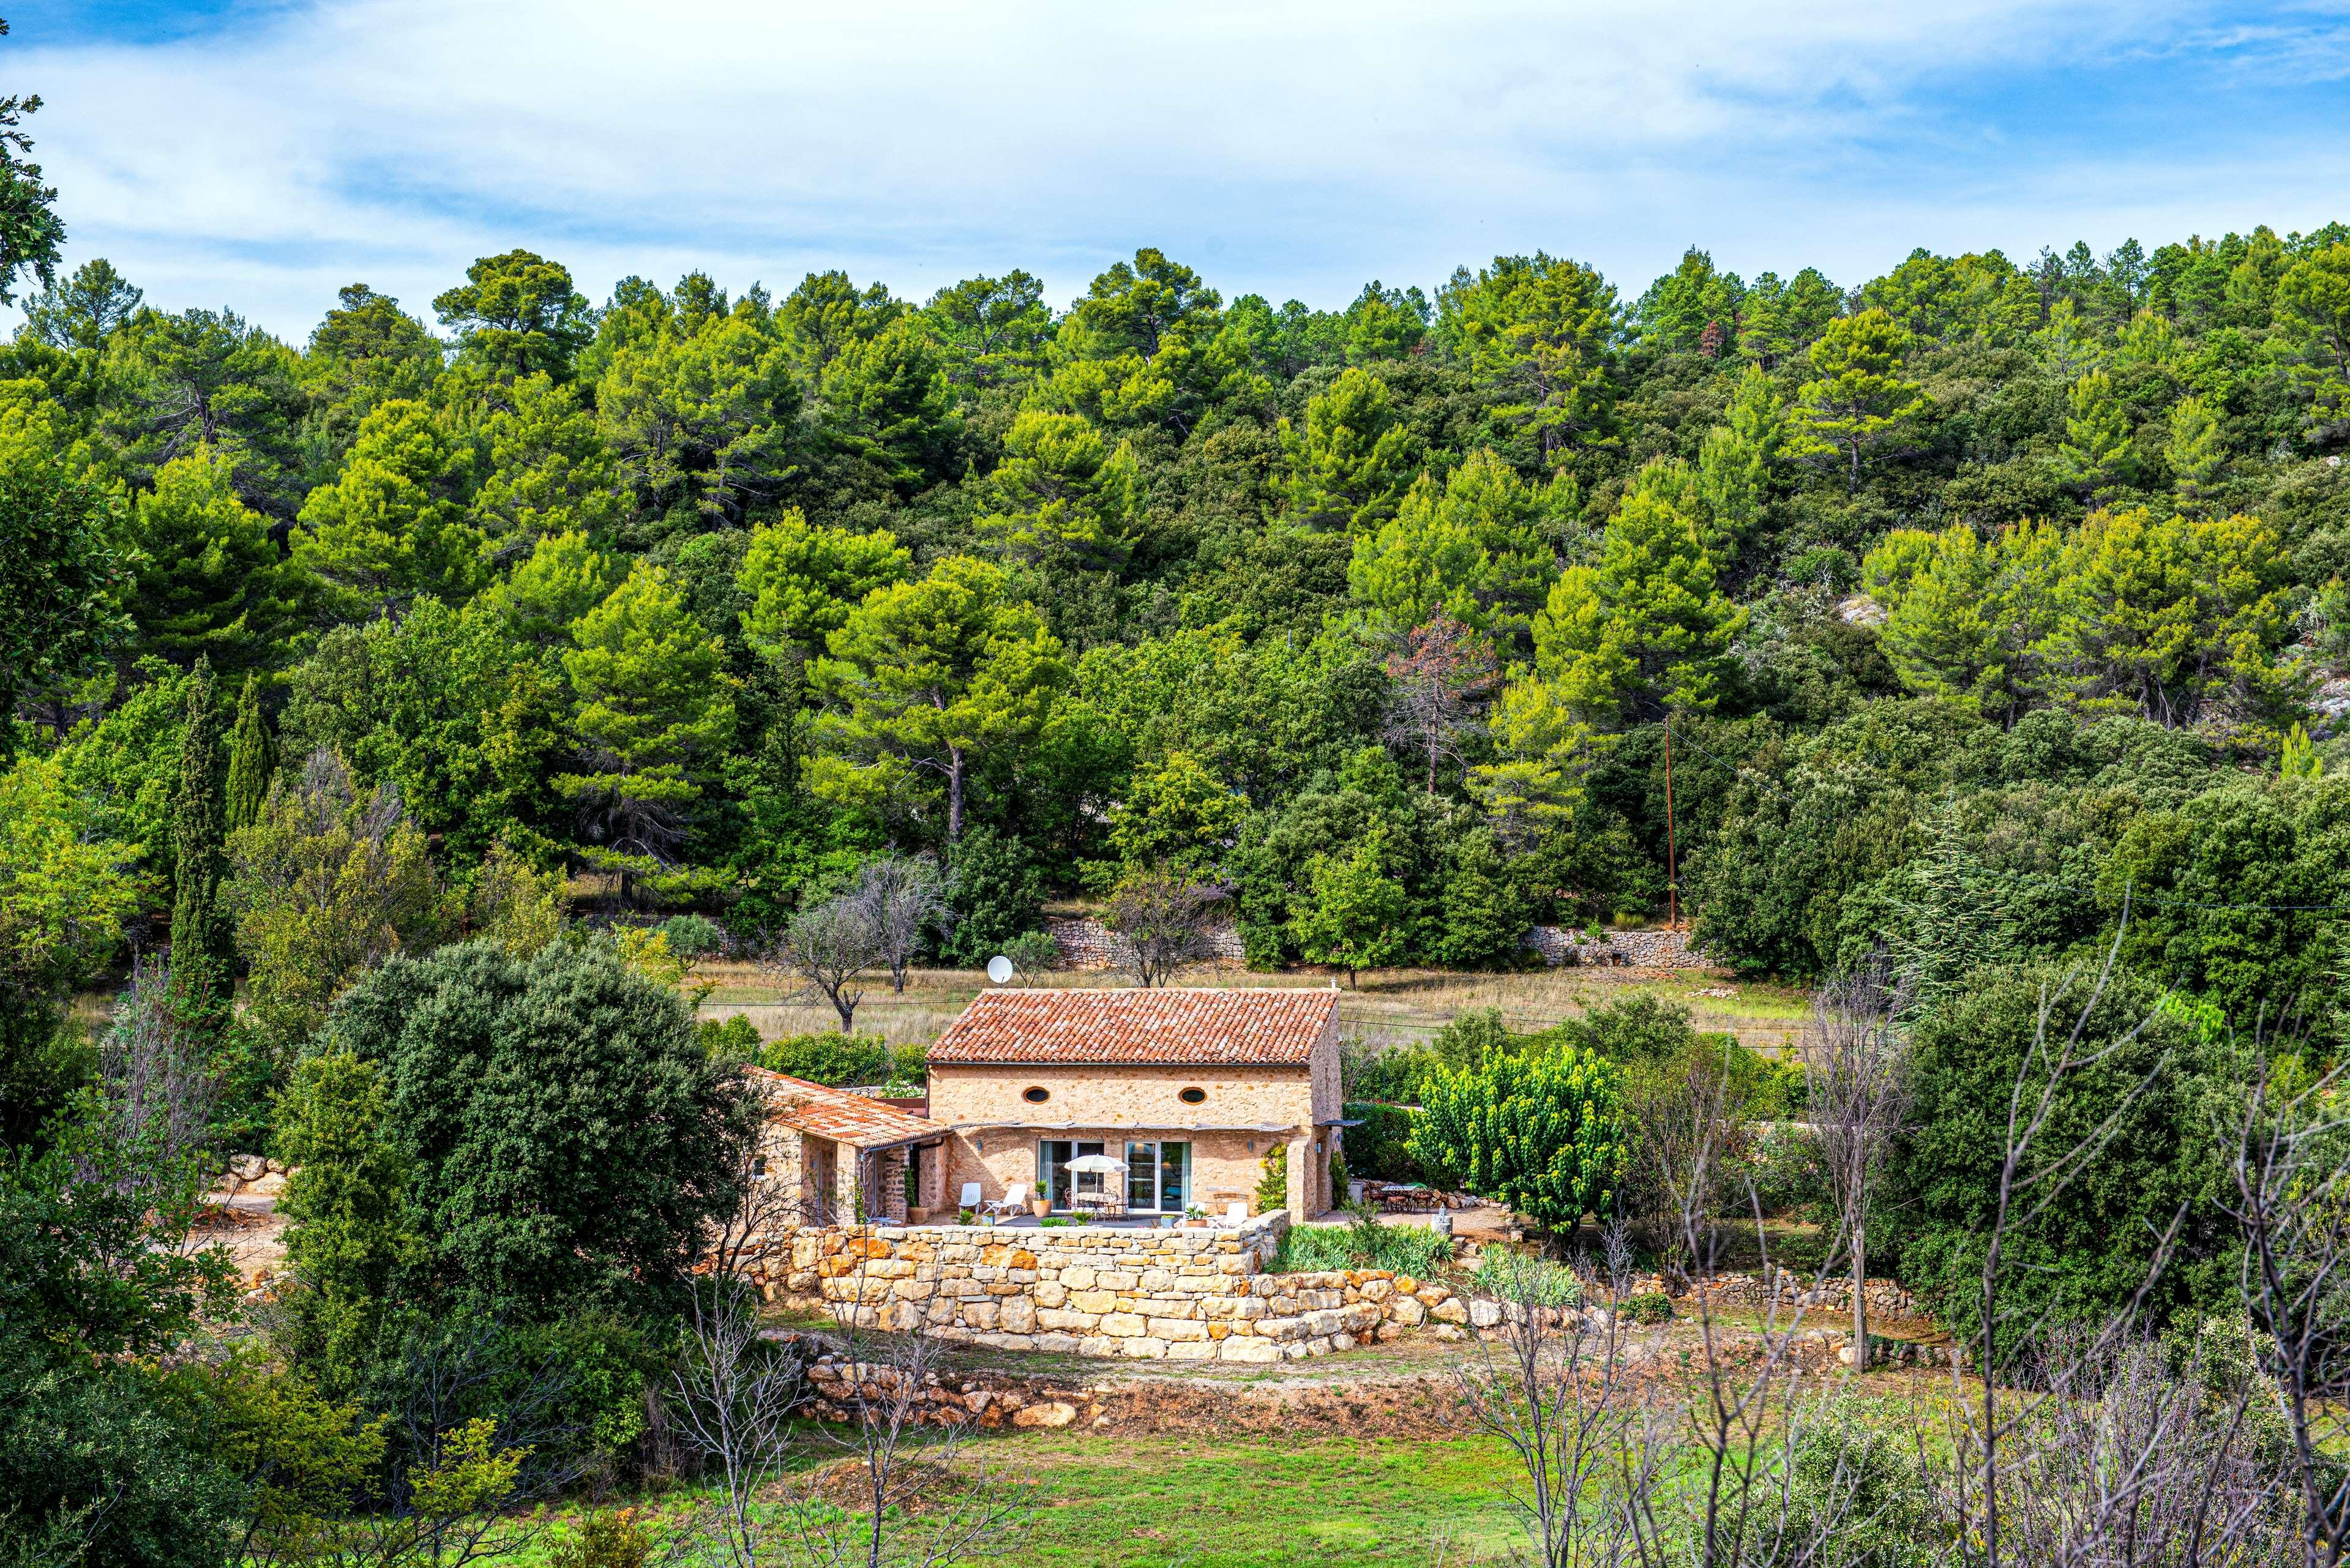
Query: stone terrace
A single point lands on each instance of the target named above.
(1178, 1295)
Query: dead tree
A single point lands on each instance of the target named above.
(826, 947)
(1436, 679)
(902, 1445)
(1856, 1061)
(733, 1403)
(158, 1087)
(902, 898)
(2290, 1172)
(1551, 1385)
(1164, 921)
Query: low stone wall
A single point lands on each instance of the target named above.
(1086, 944)
(1646, 950)
(1178, 1295)
(1885, 1299)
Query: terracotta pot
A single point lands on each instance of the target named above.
(1195, 1224)
(1041, 1206)
(917, 1215)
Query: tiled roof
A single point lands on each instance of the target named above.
(837, 1115)
(1175, 1028)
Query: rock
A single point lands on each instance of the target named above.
(1408, 1311)
(1450, 1333)
(1449, 1309)
(1054, 1415)
(1484, 1314)
(1248, 1348)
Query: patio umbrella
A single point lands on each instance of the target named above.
(1096, 1163)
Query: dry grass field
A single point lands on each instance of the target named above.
(1387, 1005)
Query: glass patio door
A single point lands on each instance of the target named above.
(1158, 1177)
(1054, 1154)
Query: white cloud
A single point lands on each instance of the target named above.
(1292, 149)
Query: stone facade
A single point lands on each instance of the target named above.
(1645, 949)
(1173, 1295)
(996, 1131)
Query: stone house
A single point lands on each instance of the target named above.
(838, 1156)
(1190, 1089)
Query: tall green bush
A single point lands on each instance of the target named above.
(566, 1134)
(1543, 1132)
(2148, 1098)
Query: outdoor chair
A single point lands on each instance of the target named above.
(1014, 1201)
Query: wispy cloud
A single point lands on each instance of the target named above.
(263, 156)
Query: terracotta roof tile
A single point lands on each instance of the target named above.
(837, 1115)
(1203, 1027)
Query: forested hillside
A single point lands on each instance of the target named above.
(1977, 597)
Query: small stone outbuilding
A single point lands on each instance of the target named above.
(1190, 1089)
(842, 1157)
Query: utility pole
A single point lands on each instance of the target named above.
(1672, 866)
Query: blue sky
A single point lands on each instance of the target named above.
(261, 153)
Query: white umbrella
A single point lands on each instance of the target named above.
(1093, 1163)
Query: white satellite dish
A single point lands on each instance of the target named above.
(999, 968)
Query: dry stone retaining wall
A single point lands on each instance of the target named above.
(1176, 1295)
(1647, 949)
(1088, 944)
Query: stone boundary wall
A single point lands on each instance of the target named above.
(1646, 950)
(1086, 943)
(1083, 1290)
(1885, 1299)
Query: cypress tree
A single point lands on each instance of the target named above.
(199, 946)
(252, 760)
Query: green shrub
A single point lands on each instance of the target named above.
(834, 1059)
(1788, 1177)
(1526, 1278)
(1364, 1244)
(1648, 1306)
(1543, 1133)
(2151, 1101)
(1375, 1150)
(1856, 1498)
(734, 1039)
(1273, 1179)
(693, 937)
(606, 1539)
(1033, 953)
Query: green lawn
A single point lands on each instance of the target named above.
(1102, 1501)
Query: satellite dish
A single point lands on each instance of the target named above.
(999, 968)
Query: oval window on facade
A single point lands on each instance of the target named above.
(1192, 1096)
(1036, 1094)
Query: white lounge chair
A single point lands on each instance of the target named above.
(1235, 1216)
(1014, 1201)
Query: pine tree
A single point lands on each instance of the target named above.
(201, 952)
(2096, 448)
(1857, 398)
(2196, 451)
(252, 760)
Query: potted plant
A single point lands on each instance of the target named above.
(1195, 1218)
(1042, 1204)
